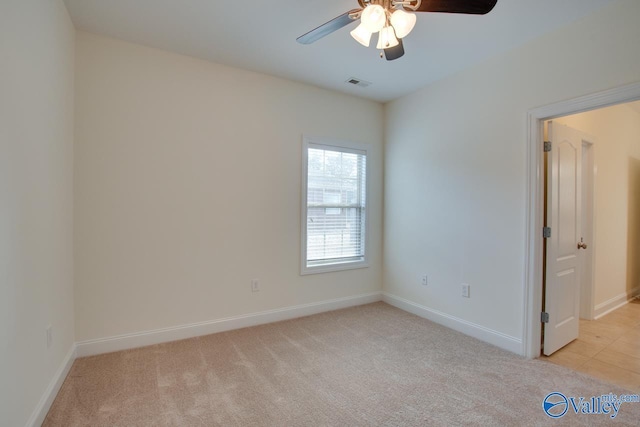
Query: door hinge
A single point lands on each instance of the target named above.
(544, 317)
(546, 232)
(547, 146)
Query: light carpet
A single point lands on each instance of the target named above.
(372, 365)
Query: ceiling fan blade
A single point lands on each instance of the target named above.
(394, 52)
(475, 7)
(327, 28)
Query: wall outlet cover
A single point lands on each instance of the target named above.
(466, 290)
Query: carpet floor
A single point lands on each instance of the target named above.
(372, 365)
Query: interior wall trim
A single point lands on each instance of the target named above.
(40, 412)
(157, 336)
(614, 303)
(474, 330)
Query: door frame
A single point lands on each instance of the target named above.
(532, 290)
(587, 261)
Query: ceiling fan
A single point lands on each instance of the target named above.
(391, 20)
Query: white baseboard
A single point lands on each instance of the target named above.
(614, 303)
(40, 412)
(141, 339)
(468, 328)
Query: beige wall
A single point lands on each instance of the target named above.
(187, 185)
(36, 200)
(617, 219)
(455, 166)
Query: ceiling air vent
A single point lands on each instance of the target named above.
(357, 82)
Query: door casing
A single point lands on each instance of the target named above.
(589, 174)
(532, 292)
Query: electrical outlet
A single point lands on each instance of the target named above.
(466, 290)
(425, 280)
(49, 336)
(255, 285)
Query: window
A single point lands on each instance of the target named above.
(334, 206)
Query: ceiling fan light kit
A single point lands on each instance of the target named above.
(392, 22)
(387, 19)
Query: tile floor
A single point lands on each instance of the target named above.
(607, 348)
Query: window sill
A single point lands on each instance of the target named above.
(328, 268)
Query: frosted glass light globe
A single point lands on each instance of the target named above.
(403, 22)
(387, 38)
(373, 17)
(362, 35)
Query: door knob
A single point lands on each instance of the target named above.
(581, 244)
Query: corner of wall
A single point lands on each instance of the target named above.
(42, 408)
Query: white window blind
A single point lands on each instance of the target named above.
(335, 205)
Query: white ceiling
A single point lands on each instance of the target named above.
(260, 35)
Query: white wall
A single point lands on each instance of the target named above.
(617, 134)
(455, 167)
(187, 186)
(36, 201)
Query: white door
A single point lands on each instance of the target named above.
(562, 286)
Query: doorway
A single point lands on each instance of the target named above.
(532, 301)
(592, 302)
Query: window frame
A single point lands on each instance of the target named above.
(346, 147)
